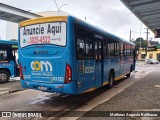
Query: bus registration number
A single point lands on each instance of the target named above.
(42, 88)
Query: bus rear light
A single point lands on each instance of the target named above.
(68, 76)
(21, 72)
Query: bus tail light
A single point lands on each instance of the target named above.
(68, 76)
(21, 72)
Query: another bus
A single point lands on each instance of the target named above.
(8, 61)
(66, 55)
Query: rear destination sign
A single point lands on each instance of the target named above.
(47, 33)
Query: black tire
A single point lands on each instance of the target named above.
(111, 79)
(129, 74)
(4, 76)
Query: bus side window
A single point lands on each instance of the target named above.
(88, 45)
(1, 56)
(111, 48)
(121, 50)
(84, 44)
(80, 48)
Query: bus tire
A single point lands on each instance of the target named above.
(4, 76)
(129, 74)
(111, 80)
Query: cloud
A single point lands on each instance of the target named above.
(110, 15)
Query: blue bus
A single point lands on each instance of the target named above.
(67, 55)
(8, 61)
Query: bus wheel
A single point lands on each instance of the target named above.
(4, 76)
(129, 74)
(111, 80)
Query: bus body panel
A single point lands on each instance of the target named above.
(43, 68)
(85, 75)
(83, 70)
(69, 88)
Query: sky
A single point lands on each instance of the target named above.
(110, 15)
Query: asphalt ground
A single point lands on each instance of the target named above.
(12, 86)
(142, 96)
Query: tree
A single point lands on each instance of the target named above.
(13, 40)
(140, 42)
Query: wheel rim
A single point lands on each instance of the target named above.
(3, 76)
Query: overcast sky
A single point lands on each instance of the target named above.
(110, 15)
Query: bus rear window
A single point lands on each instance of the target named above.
(47, 33)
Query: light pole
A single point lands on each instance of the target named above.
(58, 8)
(61, 7)
(147, 35)
(140, 35)
(130, 35)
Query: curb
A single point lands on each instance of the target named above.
(7, 92)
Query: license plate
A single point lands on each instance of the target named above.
(42, 88)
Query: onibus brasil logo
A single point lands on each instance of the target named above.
(41, 66)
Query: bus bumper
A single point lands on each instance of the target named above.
(69, 88)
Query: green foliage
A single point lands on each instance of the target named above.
(13, 40)
(140, 42)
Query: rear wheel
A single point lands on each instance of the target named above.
(111, 80)
(129, 74)
(4, 76)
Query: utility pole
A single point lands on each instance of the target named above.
(130, 35)
(140, 35)
(147, 36)
(147, 41)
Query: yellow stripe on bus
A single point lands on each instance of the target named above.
(120, 77)
(105, 83)
(89, 90)
(43, 20)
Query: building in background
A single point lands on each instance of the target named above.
(11, 31)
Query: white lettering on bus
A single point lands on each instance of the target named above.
(89, 69)
(39, 66)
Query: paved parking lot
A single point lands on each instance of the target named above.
(12, 86)
(141, 96)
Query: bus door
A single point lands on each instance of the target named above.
(98, 64)
(85, 61)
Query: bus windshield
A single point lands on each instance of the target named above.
(46, 33)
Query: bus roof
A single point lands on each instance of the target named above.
(7, 42)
